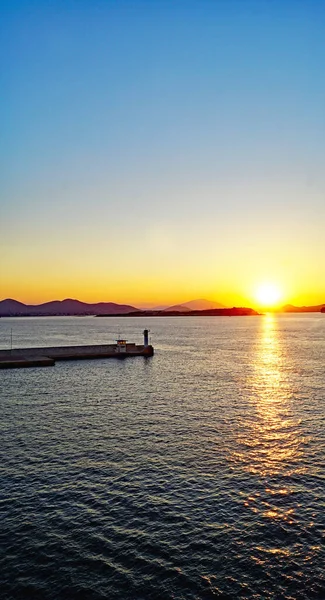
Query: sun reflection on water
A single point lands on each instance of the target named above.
(270, 442)
(270, 439)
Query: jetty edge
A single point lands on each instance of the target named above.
(46, 357)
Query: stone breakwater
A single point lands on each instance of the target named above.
(44, 357)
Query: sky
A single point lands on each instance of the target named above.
(157, 152)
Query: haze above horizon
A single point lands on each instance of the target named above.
(159, 151)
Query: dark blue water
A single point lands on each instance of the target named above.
(198, 473)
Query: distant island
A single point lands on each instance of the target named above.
(301, 309)
(212, 312)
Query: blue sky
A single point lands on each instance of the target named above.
(157, 122)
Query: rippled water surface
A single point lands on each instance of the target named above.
(198, 473)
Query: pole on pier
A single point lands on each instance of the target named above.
(146, 338)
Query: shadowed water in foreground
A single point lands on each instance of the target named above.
(198, 473)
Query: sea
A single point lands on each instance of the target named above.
(196, 474)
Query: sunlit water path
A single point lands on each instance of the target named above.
(198, 473)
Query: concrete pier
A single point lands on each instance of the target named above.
(44, 357)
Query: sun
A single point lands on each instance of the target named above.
(268, 295)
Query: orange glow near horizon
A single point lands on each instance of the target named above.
(149, 279)
(156, 291)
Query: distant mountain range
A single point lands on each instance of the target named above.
(200, 305)
(68, 307)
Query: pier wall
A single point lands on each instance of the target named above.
(23, 357)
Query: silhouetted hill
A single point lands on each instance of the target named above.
(301, 309)
(68, 307)
(199, 304)
(202, 304)
(9, 306)
(177, 308)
